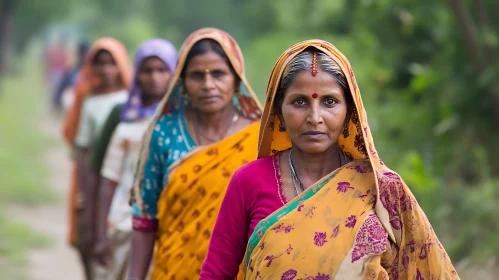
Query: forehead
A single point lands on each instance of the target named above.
(305, 82)
(208, 60)
(153, 61)
(103, 55)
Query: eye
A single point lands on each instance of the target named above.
(299, 102)
(330, 101)
(197, 76)
(218, 74)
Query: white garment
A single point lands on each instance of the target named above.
(94, 114)
(119, 166)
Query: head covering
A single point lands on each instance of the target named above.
(87, 81)
(358, 144)
(160, 48)
(245, 99)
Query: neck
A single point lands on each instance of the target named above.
(148, 100)
(217, 121)
(312, 167)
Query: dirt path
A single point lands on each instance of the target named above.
(58, 261)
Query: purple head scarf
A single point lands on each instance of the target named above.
(160, 48)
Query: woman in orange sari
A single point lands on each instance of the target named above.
(324, 205)
(205, 128)
(101, 84)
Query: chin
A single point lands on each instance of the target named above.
(313, 147)
(211, 108)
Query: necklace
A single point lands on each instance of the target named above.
(235, 118)
(294, 175)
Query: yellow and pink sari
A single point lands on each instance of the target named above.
(359, 222)
(190, 201)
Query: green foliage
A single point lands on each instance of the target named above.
(21, 143)
(431, 96)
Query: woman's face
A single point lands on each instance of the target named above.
(314, 124)
(153, 77)
(106, 69)
(209, 82)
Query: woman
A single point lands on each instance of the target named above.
(204, 129)
(101, 84)
(155, 62)
(324, 205)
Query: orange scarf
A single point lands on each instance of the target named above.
(87, 81)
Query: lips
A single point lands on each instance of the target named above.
(209, 98)
(314, 134)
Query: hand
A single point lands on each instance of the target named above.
(103, 251)
(86, 232)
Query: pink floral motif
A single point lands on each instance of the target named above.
(362, 196)
(300, 206)
(425, 249)
(320, 239)
(360, 169)
(343, 187)
(310, 212)
(289, 275)
(418, 275)
(393, 271)
(411, 246)
(405, 258)
(260, 233)
(336, 230)
(371, 238)
(392, 196)
(321, 276)
(250, 265)
(282, 228)
(350, 223)
(271, 258)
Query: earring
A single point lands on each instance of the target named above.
(282, 128)
(345, 131)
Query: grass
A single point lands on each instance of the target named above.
(22, 172)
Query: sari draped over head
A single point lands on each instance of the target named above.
(359, 222)
(85, 85)
(87, 81)
(189, 202)
(166, 52)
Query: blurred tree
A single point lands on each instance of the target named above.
(6, 33)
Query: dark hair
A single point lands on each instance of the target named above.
(203, 46)
(98, 53)
(303, 62)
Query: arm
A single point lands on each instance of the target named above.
(228, 242)
(419, 252)
(103, 249)
(140, 257)
(112, 171)
(84, 180)
(144, 217)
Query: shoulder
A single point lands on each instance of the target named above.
(116, 109)
(167, 120)
(255, 170)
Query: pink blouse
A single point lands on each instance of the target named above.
(254, 192)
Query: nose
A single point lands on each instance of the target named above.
(209, 82)
(315, 116)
